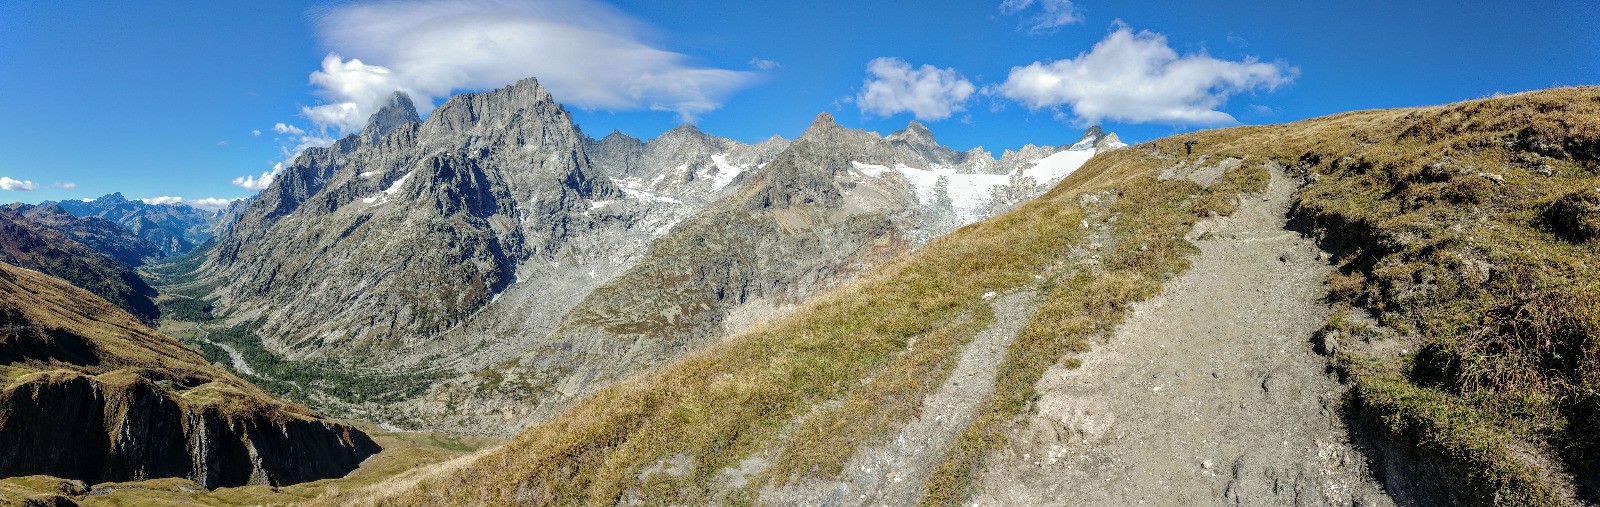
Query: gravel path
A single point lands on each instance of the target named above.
(895, 472)
(1210, 394)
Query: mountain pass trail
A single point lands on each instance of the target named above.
(1209, 394)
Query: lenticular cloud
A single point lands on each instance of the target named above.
(586, 53)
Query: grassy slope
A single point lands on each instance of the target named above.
(1469, 229)
(816, 385)
(52, 328)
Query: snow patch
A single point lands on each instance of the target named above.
(633, 193)
(1058, 165)
(394, 188)
(966, 193)
(725, 172)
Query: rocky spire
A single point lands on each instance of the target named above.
(1089, 139)
(823, 122)
(396, 113)
(915, 133)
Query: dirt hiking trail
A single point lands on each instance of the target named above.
(1209, 394)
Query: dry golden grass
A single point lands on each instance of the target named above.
(53, 328)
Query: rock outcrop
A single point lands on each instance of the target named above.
(89, 393)
(406, 229)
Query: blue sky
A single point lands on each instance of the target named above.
(182, 99)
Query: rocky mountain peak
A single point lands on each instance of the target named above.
(915, 133)
(1090, 138)
(819, 126)
(617, 136)
(1109, 142)
(398, 112)
(111, 199)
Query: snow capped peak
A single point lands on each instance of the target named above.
(1109, 142)
(1089, 140)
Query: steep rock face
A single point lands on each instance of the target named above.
(828, 206)
(97, 233)
(30, 244)
(385, 238)
(663, 182)
(89, 393)
(174, 229)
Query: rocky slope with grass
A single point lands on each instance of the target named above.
(834, 203)
(1456, 317)
(37, 246)
(88, 393)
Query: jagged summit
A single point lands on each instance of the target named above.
(823, 121)
(915, 133)
(1091, 139)
(1110, 142)
(398, 112)
(111, 198)
(684, 131)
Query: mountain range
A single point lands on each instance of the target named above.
(1400, 297)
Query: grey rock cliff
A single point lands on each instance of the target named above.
(833, 203)
(377, 240)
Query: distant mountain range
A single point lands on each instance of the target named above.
(167, 229)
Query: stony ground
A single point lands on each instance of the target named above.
(1209, 394)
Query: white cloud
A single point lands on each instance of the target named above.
(284, 128)
(210, 203)
(929, 93)
(1136, 77)
(222, 143)
(765, 64)
(302, 143)
(588, 54)
(213, 203)
(1050, 16)
(258, 182)
(64, 186)
(256, 133)
(17, 185)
